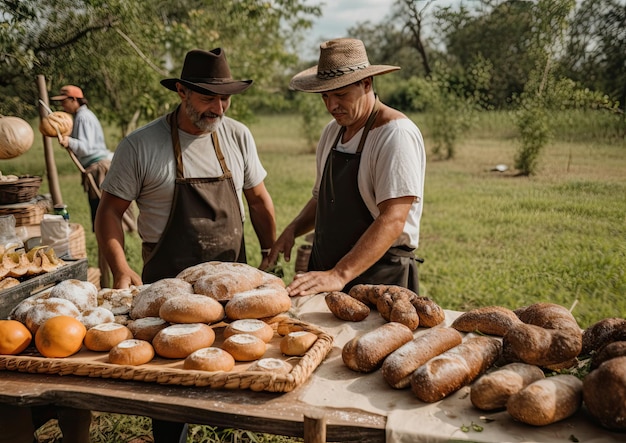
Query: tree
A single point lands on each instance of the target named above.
(119, 50)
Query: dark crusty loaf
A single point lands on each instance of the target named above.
(604, 393)
(346, 307)
(455, 368)
(491, 320)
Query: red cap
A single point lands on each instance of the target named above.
(68, 91)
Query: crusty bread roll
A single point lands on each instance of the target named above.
(346, 307)
(491, 320)
(457, 367)
(367, 293)
(258, 303)
(118, 301)
(131, 352)
(400, 364)
(149, 300)
(604, 394)
(105, 336)
(492, 390)
(610, 350)
(96, 316)
(83, 294)
(244, 347)
(367, 352)
(220, 280)
(297, 343)
(602, 332)
(395, 305)
(250, 326)
(273, 365)
(191, 308)
(146, 328)
(547, 400)
(46, 308)
(209, 359)
(178, 341)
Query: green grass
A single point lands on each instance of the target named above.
(487, 238)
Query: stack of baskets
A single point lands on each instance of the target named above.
(19, 198)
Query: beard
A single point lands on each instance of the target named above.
(199, 119)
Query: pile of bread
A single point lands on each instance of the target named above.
(15, 265)
(177, 318)
(501, 354)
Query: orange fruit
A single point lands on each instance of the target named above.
(14, 337)
(60, 336)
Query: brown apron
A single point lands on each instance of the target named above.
(342, 218)
(205, 222)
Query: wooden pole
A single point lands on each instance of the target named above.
(51, 167)
(314, 427)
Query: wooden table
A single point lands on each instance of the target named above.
(280, 414)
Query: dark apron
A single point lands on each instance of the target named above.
(205, 222)
(342, 218)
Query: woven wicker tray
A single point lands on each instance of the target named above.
(166, 371)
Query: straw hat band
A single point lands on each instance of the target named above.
(332, 73)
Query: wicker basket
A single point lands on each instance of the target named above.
(30, 213)
(21, 190)
(77, 241)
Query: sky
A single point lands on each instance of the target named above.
(340, 15)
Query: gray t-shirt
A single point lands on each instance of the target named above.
(144, 169)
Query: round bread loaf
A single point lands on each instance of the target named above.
(191, 308)
(149, 300)
(209, 359)
(20, 311)
(105, 336)
(604, 394)
(250, 326)
(96, 316)
(178, 341)
(297, 342)
(146, 328)
(274, 365)
(43, 309)
(83, 294)
(131, 352)
(244, 347)
(258, 303)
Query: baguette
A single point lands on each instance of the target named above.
(367, 352)
(547, 401)
(492, 390)
(400, 364)
(455, 368)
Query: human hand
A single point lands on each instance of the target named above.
(283, 245)
(64, 140)
(126, 280)
(314, 282)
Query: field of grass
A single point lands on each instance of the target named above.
(488, 238)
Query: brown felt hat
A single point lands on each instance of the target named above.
(342, 62)
(207, 72)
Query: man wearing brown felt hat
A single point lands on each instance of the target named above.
(367, 198)
(188, 171)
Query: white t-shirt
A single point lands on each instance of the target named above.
(144, 169)
(393, 165)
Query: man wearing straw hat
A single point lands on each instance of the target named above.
(368, 194)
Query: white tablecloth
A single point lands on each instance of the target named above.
(410, 420)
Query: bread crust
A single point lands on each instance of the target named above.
(258, 303)
(604, 394)
(147, 327)
(346, 307)
(244, 347)
(492, 390)
(400, 364)
(251, 326)
(455, 368)
(149, 300)
(191, 308)
(131, 352)
(209, 359)
(105, 336)
(180, 340)
(273, 365)
(491, 320)
(297, 343)
(547, 401)
(367, 352)
(602, 332)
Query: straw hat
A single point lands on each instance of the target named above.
(342, 62)
(68, 91)
(207, 72)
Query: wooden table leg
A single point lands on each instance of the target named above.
(314, 427)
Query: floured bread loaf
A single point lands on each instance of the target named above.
(250, 326)
(21, 309)
(274, 365)
(131, 352)
(146, 328)
(226, 279)
(244, 347)
(118, 301)
(96, 316)
(178, 341)
(191, 308)
(83, 294)
(209, 359)
(258, 303)
(105, 336)
(149, 300)
(44, 309)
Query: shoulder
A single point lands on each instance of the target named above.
(230, 125)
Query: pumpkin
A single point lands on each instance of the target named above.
(16, 137)
(57, 119)
(14, 337)
(60, 336)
